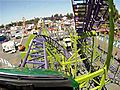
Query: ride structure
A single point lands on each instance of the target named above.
(85, 65)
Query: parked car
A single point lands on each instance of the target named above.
(34, 32)
(13, 34)
(18, 35)
(9, 46)
(4, 38)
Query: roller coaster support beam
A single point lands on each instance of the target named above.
(111, 33)
(111, 40)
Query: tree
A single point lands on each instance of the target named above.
(61, 16)
(56, 15)
(71, 15)
(13, 23)
(35, 22)
(20, 23)
(52, 17)
(68, 16)
(2, 26)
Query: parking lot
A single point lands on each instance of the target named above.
(13, 58)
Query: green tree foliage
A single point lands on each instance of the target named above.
(69, 15)
(116, 15)
(61, 16)
(35, 20)
(2, 26)
(52, 18)
(56, 15)
(20, 23)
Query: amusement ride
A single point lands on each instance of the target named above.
(86, 66)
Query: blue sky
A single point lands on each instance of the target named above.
(14, 10)
(117, 3)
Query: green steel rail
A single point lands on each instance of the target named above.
(104, 71)
(64, 63)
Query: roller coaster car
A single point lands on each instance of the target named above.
(34, 79)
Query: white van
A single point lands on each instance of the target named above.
(9, 47)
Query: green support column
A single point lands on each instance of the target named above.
(110, 44)
(111, 33)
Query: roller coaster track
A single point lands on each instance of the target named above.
(36, 53)
(87, 14)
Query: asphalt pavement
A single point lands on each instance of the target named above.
(13, 58)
